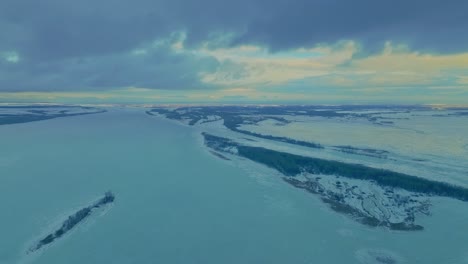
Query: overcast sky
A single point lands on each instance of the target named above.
(234, 51)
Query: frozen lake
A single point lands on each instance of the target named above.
(177, 203)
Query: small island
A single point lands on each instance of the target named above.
(74, 220)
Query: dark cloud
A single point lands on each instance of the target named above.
(53, 29)
(432, 25)
(158, 68)
(85, 44)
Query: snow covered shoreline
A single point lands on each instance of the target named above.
(365, 200)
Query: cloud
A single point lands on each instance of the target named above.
(334, 66)
(254, 66)
(10, 57)
(56, 29)
(273, 48)
(154, 65)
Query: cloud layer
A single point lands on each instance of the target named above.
(277, 46)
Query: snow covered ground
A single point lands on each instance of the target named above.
(422, 142)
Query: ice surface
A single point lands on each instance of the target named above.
(178, 203)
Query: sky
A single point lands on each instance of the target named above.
(225, 51)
